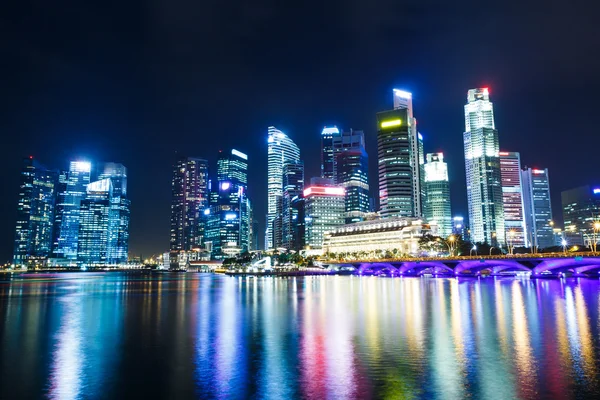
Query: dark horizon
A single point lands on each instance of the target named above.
(135, 83)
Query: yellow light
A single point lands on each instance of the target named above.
(392, 122)
(597, 225)
(451, 238)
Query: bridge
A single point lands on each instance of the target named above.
(535, 265)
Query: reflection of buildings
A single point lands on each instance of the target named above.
(484, 189)
(512, 198)
(537, 205)
(581, 208)
(35, 214)
(401, 234)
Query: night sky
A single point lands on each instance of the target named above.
(138, 82)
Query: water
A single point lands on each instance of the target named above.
(207, 336)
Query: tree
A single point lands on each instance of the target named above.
(430, 244)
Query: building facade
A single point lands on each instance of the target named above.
(35, 214)
(538, 207)
(293, 186)
(437, 206)
(581, 209)
(324, 208)
(281, 150)
(328, 135)
(373, 238)
(95, 237)
(512, 200)
(189, 190)
(352, 168)
(482, 162)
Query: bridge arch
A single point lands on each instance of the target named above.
(364, 267)
(495, 266)
(578, 265)
(421, 266)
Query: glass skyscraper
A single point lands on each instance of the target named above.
(35, 214)
(328, 135)
(120, 211)
(96, 235)
(482, 161)
(189, 189)
(293, 185)
(437, 206)
(324, 211)
(512, 199)
(352, 168)
(72, 189)
(281, 150)
(538, 207)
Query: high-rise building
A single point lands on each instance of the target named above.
(324, 211)
(352, 168)
(512, 199)
(482, 161)
(458, 227)
(346, 140)
(437, 206)
(328, 135)
(228, 233)
(403, 100)
(35, 214)
(581, 209)
(120, 211)
(71, 190)
(397, 196)
(281, 150)
(538, 208)
(189, 188)
(293, 185)
(95, 237)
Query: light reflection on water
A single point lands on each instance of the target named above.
(194, 335)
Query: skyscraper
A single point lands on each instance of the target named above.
(293, 185)
(437, 206)
(482, 161)
(35, 214)
(538, 207)
(512, 199)
(353, 175)
(403, 100)
(120, 211)
(346, 140)
(189, 189)
(581, 209)
(72, 189)
(328, 135)
(324, 211)
(95, 236)
(396, 174)
(281, 150)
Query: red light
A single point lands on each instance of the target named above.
(31, 157)
(503, 153)
(486, 90)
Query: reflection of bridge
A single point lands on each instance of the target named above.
(538, 265)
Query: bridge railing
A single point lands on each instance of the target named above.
(461, 258)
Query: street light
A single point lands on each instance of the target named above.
(564, 245)
(511, 234)
(471, 252)
(491, 248)
(450, 243)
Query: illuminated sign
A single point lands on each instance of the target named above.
(239, 154)
(596, 191)
(392, 122)
(230, 216)
(324, 190)
(81, 166)
(403, 94)
(503, 153)
(538, 171)
(329, 131)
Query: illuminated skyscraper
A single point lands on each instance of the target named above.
(482, 160)
(352, 168)
(35, 214)
(281, 150)
(403, 100)
(293, 185)
(96, 235)
(324, 211)
(72, 189)
(538, 207)
(120, 211)
(189, 189)
(512, 198)
(437, 206)
(328, 135)
(581, 209)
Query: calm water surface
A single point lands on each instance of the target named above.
(207, 336)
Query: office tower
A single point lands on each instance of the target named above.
(71, 190)
(482, 160)
(512, 199)
(538, 208)
(120, 210)
(35, 214)
(299, 223)
(293, 185)
(581, 209)
(327, 156)
(324, 211)
(281, 150)
(228, 231)
(189, 189)
(403, 100)
(353, 175)
(397, 196)
(458, 226)
(96, 236)
(437, 194)
(346, 140)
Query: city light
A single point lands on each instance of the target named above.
(225, 185)
(402, 93)
(336, 191)
(393, 122)
(330, 130)
(239, 154)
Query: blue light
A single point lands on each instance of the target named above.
(230, 216)
(225, 185)
(207, 211)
